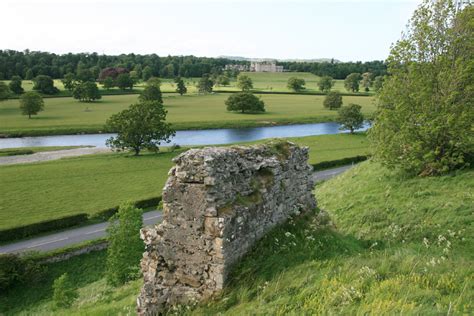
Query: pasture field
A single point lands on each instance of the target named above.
(68, 116)
(401, 246)
(49, 190)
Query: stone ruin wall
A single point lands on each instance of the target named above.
(217, 202)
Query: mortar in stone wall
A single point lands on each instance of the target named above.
(217, 203)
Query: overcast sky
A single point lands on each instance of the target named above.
(347, 30)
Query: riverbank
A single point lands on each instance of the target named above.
(66, 116)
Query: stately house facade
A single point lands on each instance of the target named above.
(265, 66)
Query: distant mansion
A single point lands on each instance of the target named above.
(257, 66)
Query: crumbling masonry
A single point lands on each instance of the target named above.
(217, 202)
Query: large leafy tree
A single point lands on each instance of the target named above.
(424, 123)
(69, 81)
(296, 84)
(15, 85)
(205, 84)
(180, 86)
(245, 102)
(333, 100)
(44, 84)
(86, 91)
(142, 125)
(151, 93)
(244, 82)
(4, 91)
(325, 83)
(31, 103)
(350, 117)
(351, 83)
(124, 81)
(125, 246)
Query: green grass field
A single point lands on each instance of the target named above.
(66, 115)
(48, 190)
(402, 247)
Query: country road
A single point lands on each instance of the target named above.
(90, 232)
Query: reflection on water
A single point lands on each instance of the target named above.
(185, 138)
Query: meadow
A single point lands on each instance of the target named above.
(49, 190)
(401, 246)
(67, 116)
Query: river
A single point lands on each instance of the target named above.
(185, 138)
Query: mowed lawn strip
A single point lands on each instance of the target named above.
(31, 193)
(67, 115)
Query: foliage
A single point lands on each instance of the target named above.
(351, 83)
(63, 292)
(31, 103)
(223, 80)
(86, 91)
(333, 100)
(325, 83)
(17, 270)
(124, 81)
(296, 84)
(350, 117)
(426, 127)
(113, 72)
(125, 246)
(147, 73)
(180, 86)
(4, 91)
(205, 84)
(44, 84)
(245, 102)
(84, 75)
(367, 80)
(151, 93)
(244, 82)
(108, 83)
(378, 83)
(15, 85)
(69, 81)
(140, 126)
(154, 81)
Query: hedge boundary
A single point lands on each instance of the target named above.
(29, 230)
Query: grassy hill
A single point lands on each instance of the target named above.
(401, 246)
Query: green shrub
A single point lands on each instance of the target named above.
(15, 269)
(63, 292)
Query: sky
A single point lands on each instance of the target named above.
(347, 30)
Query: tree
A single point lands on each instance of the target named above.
(147, 73)
(350, 117)
(333, 100)
(244, 82)
(31, 103)
(205, 84)
(151, 93)
(367, 80)
(378, 82)
(223, 80)
(63, 292)
(109, 83)
(244, 102)
(325, 83)
(69, 81)
(180, 86)
(124, 81)
(15, 85)
(29, 75)
(84, 75)
(426, 127)
(86, 91)
(295, 84)
(4, 91)
(44, 84)
(351, 83)
(140, 126)
(125, 247)
(154, 81)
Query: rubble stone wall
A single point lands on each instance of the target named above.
(217, 202)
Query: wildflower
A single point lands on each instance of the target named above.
(426, 242)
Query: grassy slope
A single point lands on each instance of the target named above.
(66, 115)
(36, 192)
(377, 262)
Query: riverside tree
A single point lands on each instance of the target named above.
(244, 83)
(325, 84)
(350, 117)
(351, 83)
(333, 100)
(245, 102)
(180, 86)
(426, 127)
(31, 103)
(15, 85)
(142, 125)
(125, 246)
(296, 84)
(86, 92)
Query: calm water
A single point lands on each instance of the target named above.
(185, 138)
